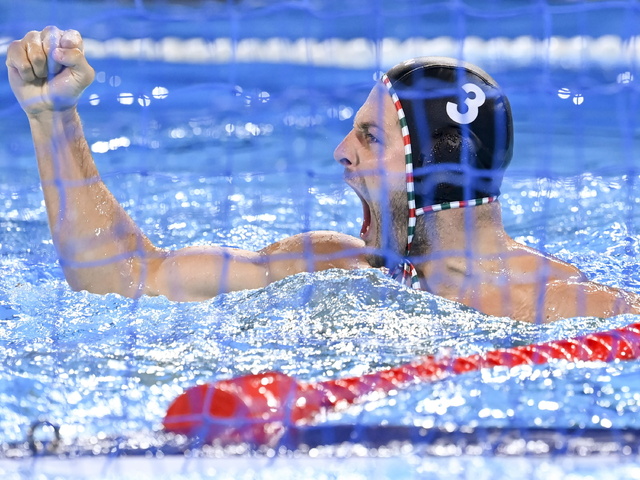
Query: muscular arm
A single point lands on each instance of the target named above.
(100, 248)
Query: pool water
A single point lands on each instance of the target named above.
(191, 175)
(204, 159)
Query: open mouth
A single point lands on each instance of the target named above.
(366, 218)
(357, 185)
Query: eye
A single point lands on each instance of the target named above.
(371, 138)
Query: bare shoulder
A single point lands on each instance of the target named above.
(527, 259)
(313, 251)
(319, 241)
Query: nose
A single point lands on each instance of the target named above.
(341, 153)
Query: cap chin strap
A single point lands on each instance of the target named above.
(405, 272)
(453, 205)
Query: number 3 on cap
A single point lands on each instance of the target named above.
(473, 104)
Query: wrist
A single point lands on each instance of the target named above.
(48, 116)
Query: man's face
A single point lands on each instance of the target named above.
(374, 161)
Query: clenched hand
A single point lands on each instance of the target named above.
(48, 70)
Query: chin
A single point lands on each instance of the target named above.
(382, 255)
(376, 261)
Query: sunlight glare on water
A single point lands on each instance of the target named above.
(197, 161)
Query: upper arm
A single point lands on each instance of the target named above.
(312, 252)
(199, 273)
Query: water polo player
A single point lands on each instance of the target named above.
(433, 136)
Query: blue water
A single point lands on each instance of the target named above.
(109, 365)
(241, 155)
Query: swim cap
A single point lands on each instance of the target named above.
(459, 125)
(458, 134)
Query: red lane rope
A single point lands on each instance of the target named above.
(258, 408)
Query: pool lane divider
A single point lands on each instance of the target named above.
(258, 409)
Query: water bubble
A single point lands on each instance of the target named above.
(125, 98)
(625, 77)
(159, 93)
(144, 101)
(345, 113)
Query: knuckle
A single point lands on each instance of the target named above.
(50, 29)
(16, 57)
(71, 38)
(14, 47)
(32, 36)
(50, 36)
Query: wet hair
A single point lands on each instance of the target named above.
(459, 127)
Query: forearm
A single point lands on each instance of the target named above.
(100, 247)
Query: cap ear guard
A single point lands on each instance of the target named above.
(442, 175)
(450, 171)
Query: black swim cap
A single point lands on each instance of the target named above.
(460, 129)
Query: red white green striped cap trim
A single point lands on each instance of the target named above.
(405, 272)
(452, 205)
(408, 160)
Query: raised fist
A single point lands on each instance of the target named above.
(48, 70)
